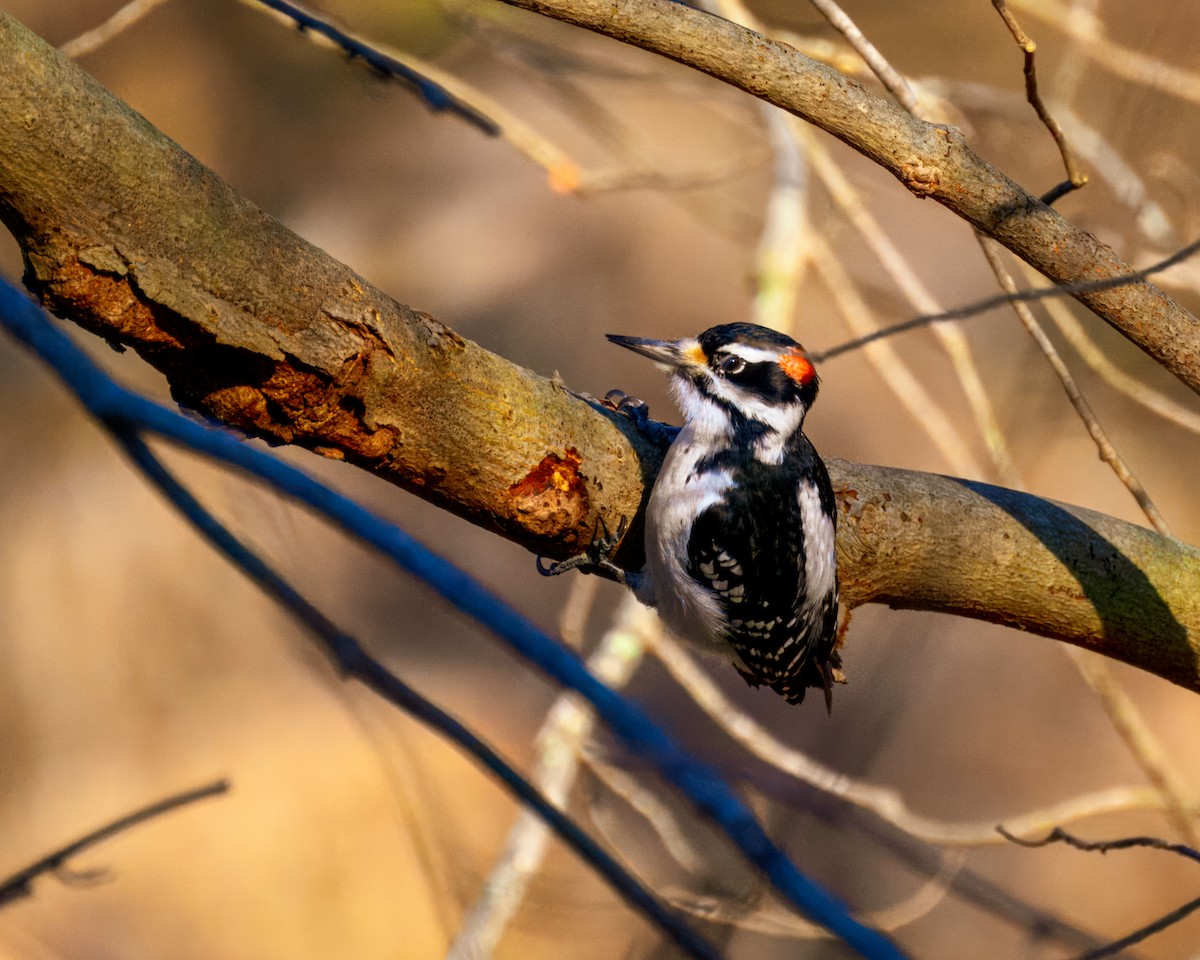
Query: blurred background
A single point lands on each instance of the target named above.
(136, 663)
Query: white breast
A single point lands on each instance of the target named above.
(689, 611)
(820, 549)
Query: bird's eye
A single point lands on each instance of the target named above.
(732, 366)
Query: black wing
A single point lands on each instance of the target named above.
(748, 551)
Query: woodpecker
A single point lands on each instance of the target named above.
(739, 533)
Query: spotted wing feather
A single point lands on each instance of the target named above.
(783, 638)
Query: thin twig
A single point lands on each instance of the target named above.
(924, 406)
(952, 339)
(1126, 181)
(1140, 740)
(564, 174)
(350, 657)
(969, 886)
(1118, 706)
(402, 69)
(1108, 452)
(767, 917)
(925, 898)
(896, 265)
(1076, 178)
(95, 38)
(893, 369)
(1021, 296)
(20, 884)
(1158, 403)
(780, 250)
(884, 802)
(1144, 933)
(1125, 62)
(689, 844)
(784, 247)
(888, 75)
(568, 725)
(735, 897)
(1059, 835)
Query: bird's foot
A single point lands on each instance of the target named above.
(597, 558)
(634, 408)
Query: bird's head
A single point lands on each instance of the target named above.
(735, 377)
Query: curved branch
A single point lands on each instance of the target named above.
(930, 159)
(129, 236)
(132, 238)
(927, 542)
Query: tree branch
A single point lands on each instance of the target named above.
(930, 159)
(20, 884)
(129, 236)
(927, 542)
(260, 330)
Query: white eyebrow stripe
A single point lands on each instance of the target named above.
(751, 354)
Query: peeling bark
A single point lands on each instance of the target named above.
(259, 329)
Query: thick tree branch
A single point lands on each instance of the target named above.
(129, 236)
(931, 160)
(929, 542)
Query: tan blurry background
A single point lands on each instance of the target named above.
(134, 662)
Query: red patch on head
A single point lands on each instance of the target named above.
(796, 365)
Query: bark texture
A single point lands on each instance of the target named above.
(129, 236)
(928, 542)
(126, 234)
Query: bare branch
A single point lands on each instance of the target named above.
(770, 919)
(1144, 933)
(1143, 745)
(1119, 707)
(858, 318)
(1084, 26)
(929, 159)
(262, 331)
(888, 75)
(908, 389)
(1070, 560)
(1076, 178)
(385, 64)
(569, 724)
(1114, 376)
(97, 37)
(1127, 182)
(980, 307)
(884, 802)
(1108, 451)
(1059, 835)
(20, 884)
(923, 405)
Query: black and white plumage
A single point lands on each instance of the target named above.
(740, 525)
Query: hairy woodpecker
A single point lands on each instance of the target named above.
(740, 525)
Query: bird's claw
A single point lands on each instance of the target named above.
(634, 408)
(597, 558)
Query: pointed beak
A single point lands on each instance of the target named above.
(670, 353)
